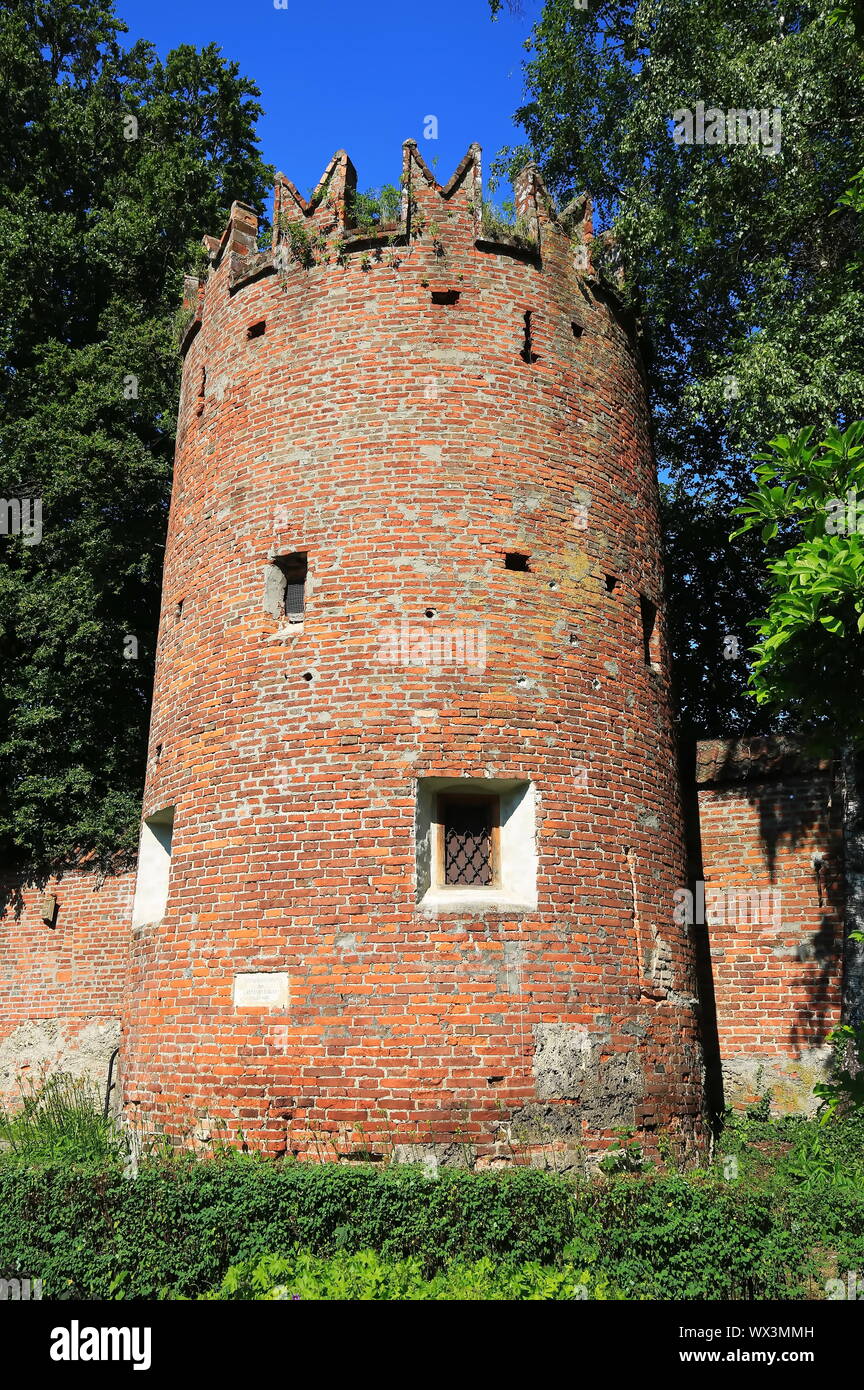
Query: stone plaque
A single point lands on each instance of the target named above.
(261, 990)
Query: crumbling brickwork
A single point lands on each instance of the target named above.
(61, 979)
(772, 851)
(449, 424)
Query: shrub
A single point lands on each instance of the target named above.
(299, 1275)
(59, 1117)
(844, 1093)
(89, 1232)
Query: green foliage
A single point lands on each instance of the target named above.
(790, 1208)
(627, 1157)
(113, 165)
(375, 208)
(810, 651)
(502, 224)
(60, 1118)
(744, 267)
(301, 1275)
(181, 1223)
(299, 244)
(717, 589)
(844, 1093)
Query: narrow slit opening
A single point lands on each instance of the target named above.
(528, 354)
(650, 634)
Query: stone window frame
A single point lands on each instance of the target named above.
(514, 889)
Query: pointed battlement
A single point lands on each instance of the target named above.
(330, 204)
(326, 226)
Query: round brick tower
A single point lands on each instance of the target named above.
(411, 824)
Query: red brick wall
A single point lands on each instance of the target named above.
(765, 812)
(61, 986)
(406, 446)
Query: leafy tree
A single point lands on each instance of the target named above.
(716, 592)
(113, 165)
(744, 264)
(810, 653)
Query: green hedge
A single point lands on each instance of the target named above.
(88, 1232)
(180, 1224)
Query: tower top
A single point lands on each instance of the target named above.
(330, 213)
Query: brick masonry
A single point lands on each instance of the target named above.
(772, 824)
(61, 983)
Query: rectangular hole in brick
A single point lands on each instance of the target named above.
(650, 635)
(610, 581)
(513, 560)
(256, 330)
(445, 296)
(578, 330)
(290, 579)
(528, 354)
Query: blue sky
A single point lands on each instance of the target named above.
(335, 74)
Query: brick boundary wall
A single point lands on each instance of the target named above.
(763, 808)
(771, 824)
(61, 983)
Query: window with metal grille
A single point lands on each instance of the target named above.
(293, 569)
(468, 840)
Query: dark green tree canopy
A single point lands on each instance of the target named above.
(112, 166)
(744, 264)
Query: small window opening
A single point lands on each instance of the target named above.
(201, 389)
(445, 296)
(154, 868)
(514, 561)
(469, 840)
(611, 581)
(293, 570)
(578, 330)
(178, 611)
(256, 330)
(650, 634)
(528, 354)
